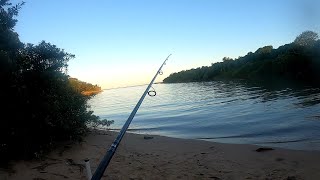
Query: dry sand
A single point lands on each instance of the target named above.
(169, 158)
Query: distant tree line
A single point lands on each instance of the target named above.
(297, 61)
(39, 104)
(84, 87)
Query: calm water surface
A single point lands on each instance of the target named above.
(228, 112)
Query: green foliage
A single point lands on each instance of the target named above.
(96, 122)
(82, 87)
(39, 104)
(7, 14)
(298, 61)
(307, 38)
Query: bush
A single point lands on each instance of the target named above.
(40, 106)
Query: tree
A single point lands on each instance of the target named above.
(40, 105)
(224, 59)
(264, 50)
(291, 61)
(8, 38)
(306, 38)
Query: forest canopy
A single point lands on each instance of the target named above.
(297, 61)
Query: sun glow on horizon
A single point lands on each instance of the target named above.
(124, 43)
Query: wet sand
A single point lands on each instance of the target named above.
(160, 157)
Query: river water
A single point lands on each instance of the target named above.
(227, 112)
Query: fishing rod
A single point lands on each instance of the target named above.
(108, 156)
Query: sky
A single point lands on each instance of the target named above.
(121, 43)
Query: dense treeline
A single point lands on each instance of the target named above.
(84, 87)
(297, 61)
(39, 104)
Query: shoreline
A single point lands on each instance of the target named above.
(274, 145)
(158, 157)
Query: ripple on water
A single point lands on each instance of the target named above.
(230, 112)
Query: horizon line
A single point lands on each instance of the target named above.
(130, 86)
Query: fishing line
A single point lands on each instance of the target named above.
(109, 154)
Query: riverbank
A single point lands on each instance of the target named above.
(90, 93)
(157, 157)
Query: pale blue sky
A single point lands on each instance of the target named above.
(123, 42)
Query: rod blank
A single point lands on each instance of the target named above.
(109, 154)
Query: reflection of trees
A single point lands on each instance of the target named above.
(240, 89)
(309, 97)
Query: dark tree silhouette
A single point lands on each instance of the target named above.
(39, 104)
(307, 38)
(297, 61)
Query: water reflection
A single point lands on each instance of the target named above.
(230, 112)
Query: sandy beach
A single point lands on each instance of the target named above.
(157, 157)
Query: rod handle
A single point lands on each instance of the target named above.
(88, 168)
